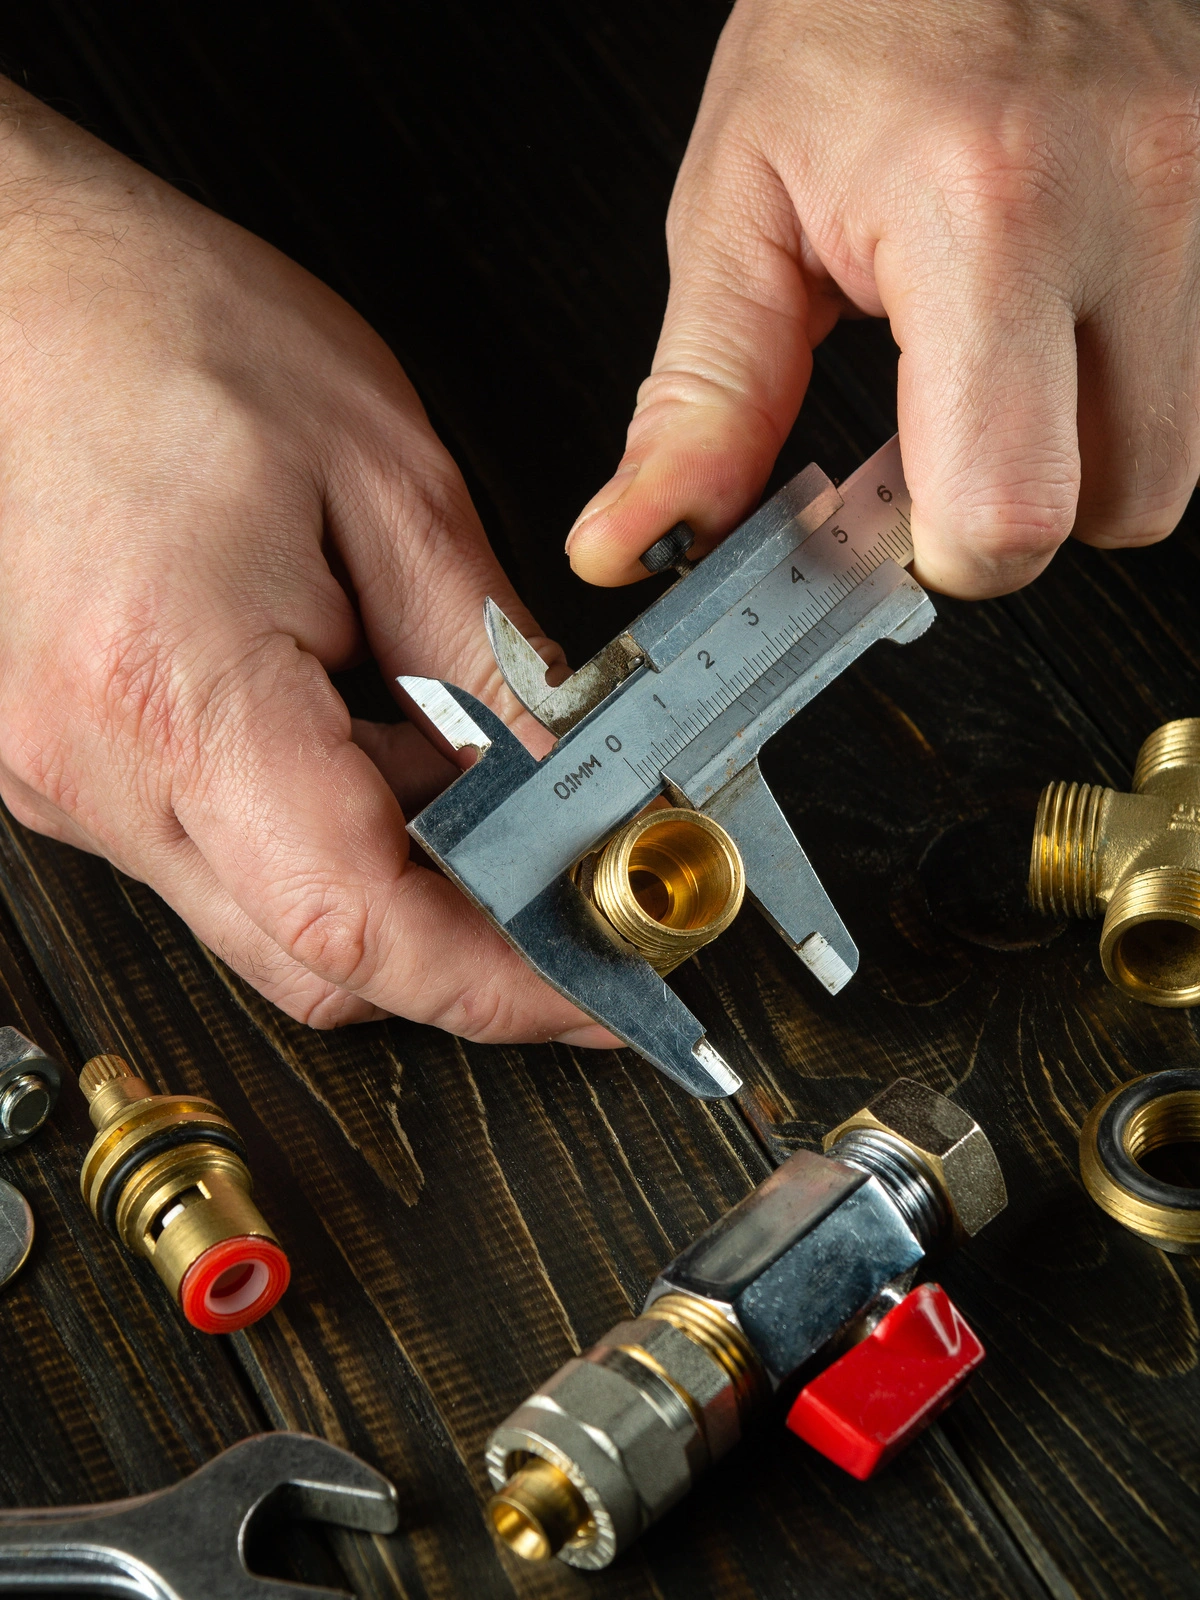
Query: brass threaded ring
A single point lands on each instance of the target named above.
(1150, 941)
(726, 1344)
(1158, 1109)
(1175, 744)
(669, 882)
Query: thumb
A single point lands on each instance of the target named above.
(730, 371)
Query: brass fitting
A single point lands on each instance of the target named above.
(167, 1174)
(668, 882)
(1136, 857)
(1161, 1108)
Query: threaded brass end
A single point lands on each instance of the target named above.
(669, 882)
(1174, 745)
(1150, 942)
(726, 1344)
(1134, 1119)
(1063, 865)
(538, 1511)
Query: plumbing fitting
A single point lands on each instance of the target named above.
(1136, 857)
(1159, 1109)
(167, 1174)
(668, 883)
(29, 1085)
(819, 1257)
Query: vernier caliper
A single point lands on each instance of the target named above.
(681, 703)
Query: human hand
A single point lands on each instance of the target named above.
(1018, 190)
(197, 437)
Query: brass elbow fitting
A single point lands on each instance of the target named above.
(1136, 857)
(668, 883)
(167, 1174)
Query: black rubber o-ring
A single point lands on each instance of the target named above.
(167, 1140)
(1110, 1139)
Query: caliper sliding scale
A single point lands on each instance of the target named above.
(681, 703)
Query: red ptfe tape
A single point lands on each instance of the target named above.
(234, 1283)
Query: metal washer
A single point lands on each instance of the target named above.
(16, 1231)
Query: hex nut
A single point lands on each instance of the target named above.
(650, 1429)
(949, 1142)
(29, 1084)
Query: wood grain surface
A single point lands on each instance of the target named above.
(488, 186)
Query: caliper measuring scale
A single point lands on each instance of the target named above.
(679, 705)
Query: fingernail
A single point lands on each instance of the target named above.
(611, 492)
(591, 1037)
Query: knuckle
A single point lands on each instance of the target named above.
(1017, 530)
(1002, 175)
(1016, 512)
(484, 1015)
(330, 932)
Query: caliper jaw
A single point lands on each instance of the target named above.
(788, 601)
(718, 773)
(559, 932)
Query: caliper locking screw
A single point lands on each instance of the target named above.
(820, 1257)
(1136, 858)
(29, 1085)
(167, 1174)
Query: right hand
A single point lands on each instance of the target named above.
(216, 487)
(1017, 188)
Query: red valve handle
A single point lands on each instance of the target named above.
(869, 1403)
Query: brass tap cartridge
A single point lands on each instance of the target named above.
(668, 883)
(807, 1264)
(1136, 857)
(167, 1174)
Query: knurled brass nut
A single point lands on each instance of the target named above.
(948, 1142)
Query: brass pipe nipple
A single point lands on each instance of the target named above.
(538, 1511)
(167, 1174)
(1136, 858)
(668, 882)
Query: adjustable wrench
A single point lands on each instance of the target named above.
(188, 1542)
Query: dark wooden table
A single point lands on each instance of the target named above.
(487, 184)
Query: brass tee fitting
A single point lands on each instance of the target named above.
(668, 882)
(167, 1174)
(1136, 857)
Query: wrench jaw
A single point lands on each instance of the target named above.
(188, 1542)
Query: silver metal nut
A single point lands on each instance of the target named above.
(620, 1432)
(690, 1369)
(805, 1253)
(948, 1141)
(29, 1085)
